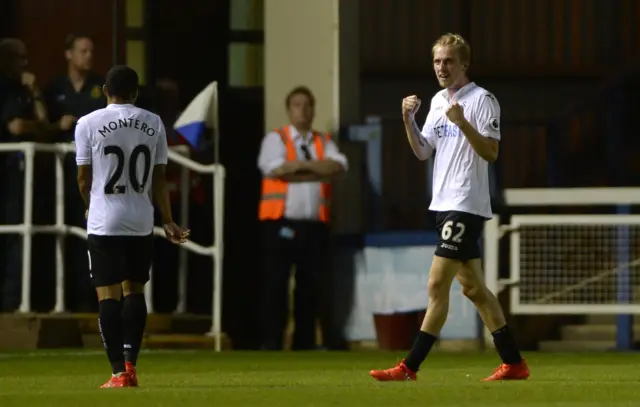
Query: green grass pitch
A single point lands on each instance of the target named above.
(236, 379)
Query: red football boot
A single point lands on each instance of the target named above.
(399, 372)
(518, 371)
(133, 376)
(118, 380)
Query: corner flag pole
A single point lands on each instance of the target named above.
(215, 125)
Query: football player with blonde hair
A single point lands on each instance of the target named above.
(463, 125)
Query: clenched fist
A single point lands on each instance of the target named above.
(455, 113)
(410, 106)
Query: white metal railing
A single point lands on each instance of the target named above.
(27, 229)
(496, 231)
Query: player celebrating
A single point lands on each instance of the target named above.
(463, 126)
(121, 156)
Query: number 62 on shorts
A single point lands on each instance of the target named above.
(458, 235)
(447, 231)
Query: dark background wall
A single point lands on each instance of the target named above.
(546, 61)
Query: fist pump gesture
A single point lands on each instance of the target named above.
(455, 113)
(410, 106)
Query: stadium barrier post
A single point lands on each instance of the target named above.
(624, 323)
(218, 249)
(491, 246)
(27, 230)
(183, 259)
(148, 292)
(59, 157)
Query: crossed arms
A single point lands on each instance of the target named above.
(273, 164)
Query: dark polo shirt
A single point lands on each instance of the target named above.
(62, 99)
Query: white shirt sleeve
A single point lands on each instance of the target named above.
(83, 143)
(332, 152)
(162, 147)
(488, 117)
(272, 153)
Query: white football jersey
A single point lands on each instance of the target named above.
(122, 143)
(460, 175)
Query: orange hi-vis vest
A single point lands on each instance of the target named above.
(274, 191)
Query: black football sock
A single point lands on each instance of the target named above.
(419, 351)
(134, 315)
(110, 323)
(506, 346)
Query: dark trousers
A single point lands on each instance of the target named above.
(166, 262)
(11, 212)
(80, 294)
(285, 244)
(42, 248)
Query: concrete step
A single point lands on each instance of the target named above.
(156, 323)
(576, 346)
(47, 331)
(92, 341)
(165, 341)
(31, 331)
(183, 341)
(593, 332)
(601, 319)
(88, 323)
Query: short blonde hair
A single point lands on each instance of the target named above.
(456, 42)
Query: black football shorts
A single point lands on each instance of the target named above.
(114, 259)
(459, 235)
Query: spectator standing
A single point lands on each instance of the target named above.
(23, 117)
(297, 164)
(69, 97)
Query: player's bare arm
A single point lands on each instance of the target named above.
(420, 147)
(175, 233)
(486, 147)
(85, 178)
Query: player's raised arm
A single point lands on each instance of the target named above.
(421, 148)
(83, 159)
(483, 140)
